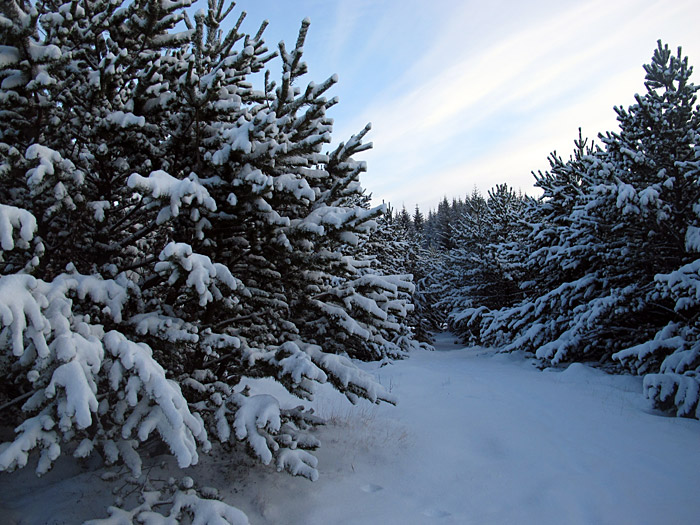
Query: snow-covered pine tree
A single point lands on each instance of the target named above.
(555, 279)
(428, 316)
(405, 222)
(166, 229)
(418, 221)
(398, 248)
(471, 234)
(290, 221)
(613, 255)
(443, 225)
(426, 264)
(563, 186)
(659, 147)
(429, 230)
(485, 268)
(629, 222)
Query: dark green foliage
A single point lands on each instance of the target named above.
(484, 270)
(607, 270)
(169, 229)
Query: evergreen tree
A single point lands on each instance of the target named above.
(418, 221)
(485, 267)
(613, 250)
(443, 222)
(405, 223)
(658, 187)
(166, 230)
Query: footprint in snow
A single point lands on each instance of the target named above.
(436, 513)
(370, 488)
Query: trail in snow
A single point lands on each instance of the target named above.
(484, 438)
(477, 437)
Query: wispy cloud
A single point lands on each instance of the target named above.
(466, 115)
(465, 93)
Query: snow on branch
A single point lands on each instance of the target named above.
(202, 273)
(16, 220)
(692, 239)
(298, 463)
(200, 511)
(34, 432)
(270, 431)
(21, 313)
(261, 412)
(67, 356)
(170, 414)
(674, 357)
(674, 391)
(355, 382)
(110, 293)
(640, 357)
(48, 158)
(235, 139)
(171, 329)
(36, 310)
(297, 364)
(329, 218)
(682, 285)
(180, 191)
(348, 324)
(75, 377)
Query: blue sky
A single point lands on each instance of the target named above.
(465, 94)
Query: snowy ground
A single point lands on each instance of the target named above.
(476, 438)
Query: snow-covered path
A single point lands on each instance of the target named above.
(477, 438)
(483, 438)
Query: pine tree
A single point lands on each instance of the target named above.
(485, 266)
(418, 220)
(657, 153)
(556, 276)
(612, 256)
(405, 223)
(166, 229)
(429, 230)
(443, 222)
